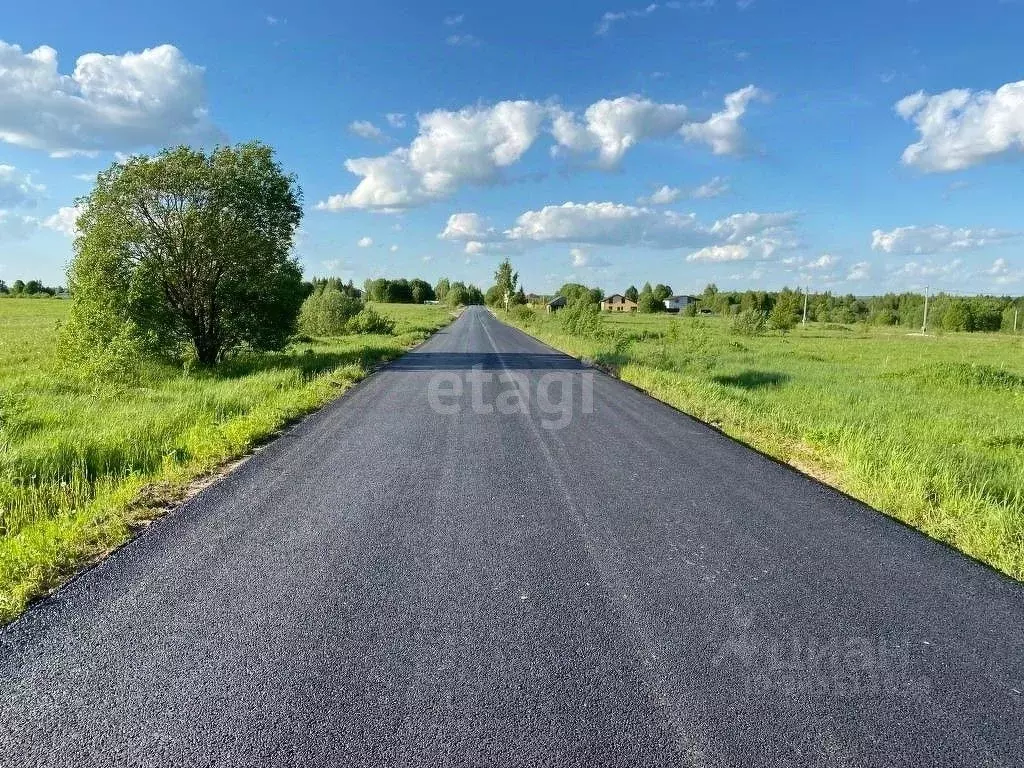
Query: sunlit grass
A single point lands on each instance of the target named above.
(81, 463)
(929, 429)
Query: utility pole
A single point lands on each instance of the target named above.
(924, 326)
(1015, 310)
(805, 308)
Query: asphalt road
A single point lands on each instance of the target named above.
(405, 579)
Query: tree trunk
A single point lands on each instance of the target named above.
(207, 351)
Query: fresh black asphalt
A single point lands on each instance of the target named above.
(393, 583)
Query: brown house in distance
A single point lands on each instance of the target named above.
(618, 303)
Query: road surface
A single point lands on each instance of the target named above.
(406, 579)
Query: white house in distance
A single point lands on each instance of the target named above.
(679, 303)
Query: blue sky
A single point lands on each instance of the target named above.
(857, 147)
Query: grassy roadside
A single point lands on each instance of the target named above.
(929, 430)
(82, 465)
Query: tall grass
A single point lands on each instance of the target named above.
(930, 430)
(81, 463)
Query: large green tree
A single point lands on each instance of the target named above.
(187, 249)
(785, 311)
(441, 289)
(506, 280)
(575, 292)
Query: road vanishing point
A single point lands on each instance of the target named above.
(435, 570)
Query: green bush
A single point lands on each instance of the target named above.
(581, 319)
(523, 314)
(749, 322)
(369, 321)
(650, 304)
(958, 317)
(328, 312)
(784, 314)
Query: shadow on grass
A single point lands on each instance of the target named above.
(309, 363)
(612, 361)
(753, 379)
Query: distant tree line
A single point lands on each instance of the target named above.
(456, 293)
(784, 309)
(33, 288)
(951, 313)
(334, 308)
(400, 291)
(649, 299)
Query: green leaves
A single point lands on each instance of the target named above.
(191, 252)
(327, 312)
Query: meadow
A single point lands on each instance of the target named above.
(83, 464)
(927, 429)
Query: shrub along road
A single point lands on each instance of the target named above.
(405, 579)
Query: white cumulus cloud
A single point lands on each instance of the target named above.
(762, 234)
(470, 146)
(914, 240)
(664, 195)
(365, 129)
(467, 226)
(722, 131)
(742, 235)
(63, 220)
(611, 126)
(108, 102)
(1003, 273)
(825, 261)
(365, 242)
(582, 259)
(999, 267)
(718, 253)
(474, 145)
(961, 128)
(609, 224)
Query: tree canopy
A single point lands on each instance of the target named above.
(575, 292)
(505, 282)
(400, 291)
(187, 250)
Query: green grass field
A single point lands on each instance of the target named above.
(82, 464)
(929, 430)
